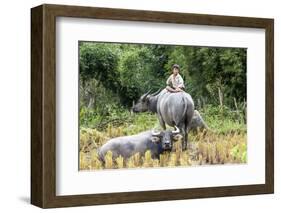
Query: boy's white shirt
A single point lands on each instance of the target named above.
(177, 81)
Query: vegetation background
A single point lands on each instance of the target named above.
(113, 76)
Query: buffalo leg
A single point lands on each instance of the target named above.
(186, 128)
(185, 139)
(162, 123)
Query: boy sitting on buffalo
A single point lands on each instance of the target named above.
(175, 81)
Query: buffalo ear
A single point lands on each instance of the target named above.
(177, 137)
(155, 139)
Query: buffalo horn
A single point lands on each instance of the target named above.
(176, 131)
(155, 133)
(153, 94)
(146, 94)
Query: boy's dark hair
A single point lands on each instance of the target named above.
(176, 66)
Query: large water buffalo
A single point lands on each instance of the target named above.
(174, 109)
(155, 141)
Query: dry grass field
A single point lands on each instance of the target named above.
(205, 148)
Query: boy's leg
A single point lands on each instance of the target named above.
(170, 89)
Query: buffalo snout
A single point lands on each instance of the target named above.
(134, 109)
(167, 145)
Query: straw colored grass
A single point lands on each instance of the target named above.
(205, 148)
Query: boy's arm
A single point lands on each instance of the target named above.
(169, 84)
(181, 84)
(168, 80)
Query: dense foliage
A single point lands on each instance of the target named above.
(114, 75)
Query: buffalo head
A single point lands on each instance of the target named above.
(166, 138)
(142, 104)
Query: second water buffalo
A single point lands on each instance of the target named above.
(127, 146)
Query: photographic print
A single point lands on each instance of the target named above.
(120, 94)
(152, 105)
